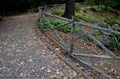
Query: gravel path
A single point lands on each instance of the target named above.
(24, 56)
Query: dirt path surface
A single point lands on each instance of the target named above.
(24, 56)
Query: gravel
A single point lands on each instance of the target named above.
(24, 56)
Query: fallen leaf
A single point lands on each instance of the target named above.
(42, 68)
(48, 70)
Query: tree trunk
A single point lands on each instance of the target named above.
(69, 8)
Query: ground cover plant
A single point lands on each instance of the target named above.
(98, 16)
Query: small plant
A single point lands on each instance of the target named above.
(111, 20)
(87, 18)
(58, 12)
(65, 29)
(115, 43)
(83, 17)
(101, 8)
(97, 8)
(95, 31)
(111, 9)
(55, 22)
(77, 7)
(44, 23)
(115, 39)
(77, 15)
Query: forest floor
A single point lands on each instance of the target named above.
(109, 66)
(24, 56)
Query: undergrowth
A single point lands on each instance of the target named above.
(58, 12)
(101, 8)
(111, 20)
(77, 7)
(115, 39)
(54, 22)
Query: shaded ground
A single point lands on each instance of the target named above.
(23, 56)
(82, 45)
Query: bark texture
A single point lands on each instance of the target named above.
(69, 8)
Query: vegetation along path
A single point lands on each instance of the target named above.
(24, 56)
